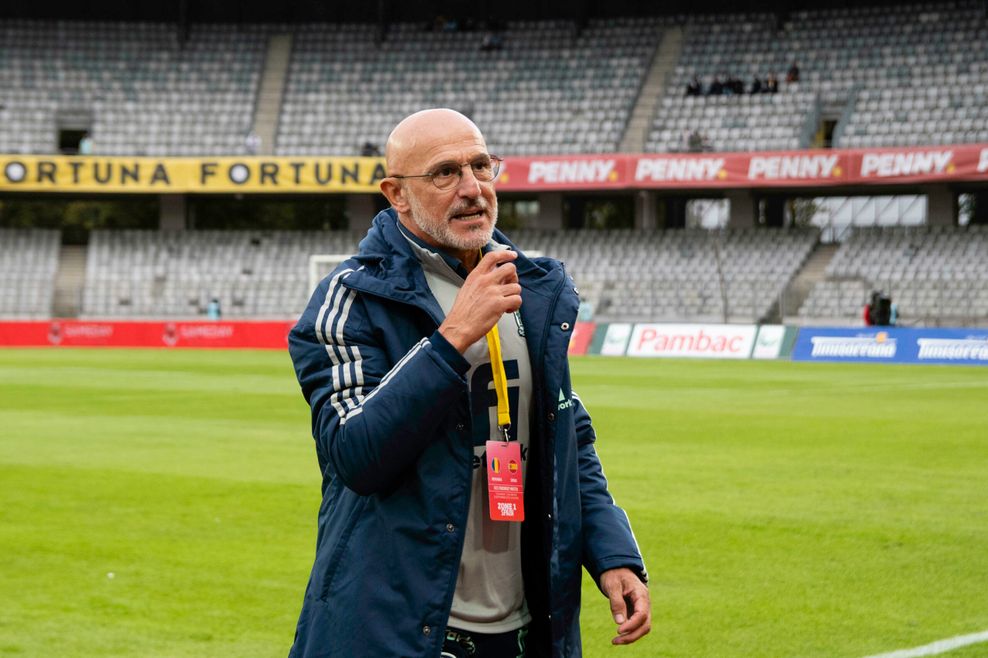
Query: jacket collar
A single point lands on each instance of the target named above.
(423, 250)
(390, 268)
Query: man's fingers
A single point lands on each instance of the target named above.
(640, 622)
(629, 601)
(494, 258)
(628, 638)
(505, 273)
(510, 289)
(637, 618)
(619, 610)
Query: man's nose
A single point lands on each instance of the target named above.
(469, 186)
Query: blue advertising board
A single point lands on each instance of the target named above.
(892, 345)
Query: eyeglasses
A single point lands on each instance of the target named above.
(448, 174)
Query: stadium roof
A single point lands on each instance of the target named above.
(266, 11)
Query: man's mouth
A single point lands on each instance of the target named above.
(469, 214)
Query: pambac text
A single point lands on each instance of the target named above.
(692, 341)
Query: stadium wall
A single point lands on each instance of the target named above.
(74, 333)
(893, 345)
(644, 340)
(957, 346)
(695, 341)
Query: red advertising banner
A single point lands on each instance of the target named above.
(769, 169)
(579, 341)
(79, 333)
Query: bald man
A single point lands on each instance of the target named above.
(444, 529)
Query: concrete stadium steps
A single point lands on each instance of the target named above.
(69, 281)
(271, 90)
(662, 66)
(813, 271)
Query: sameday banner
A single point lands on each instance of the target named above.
(892, 345)
(78, 333)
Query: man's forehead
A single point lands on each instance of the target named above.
(451, 151)
(433, 136)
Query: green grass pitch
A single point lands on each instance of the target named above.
(163, 503)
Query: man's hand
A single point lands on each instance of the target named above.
(488, 293)
(630, 605)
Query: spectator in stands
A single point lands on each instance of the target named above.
(694, 87)
(756, 84)
(401, 409)
(772, 84)
(793, 74)
(213, 311)
(696, 142)
(880, 310)
(716, 87)
(586, 310)
(733, 85)
(370, 150)
(252, 142)
(492, 41)
(86, 144)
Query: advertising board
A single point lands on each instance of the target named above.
(705, 341)
(892, 345)
(96, 333)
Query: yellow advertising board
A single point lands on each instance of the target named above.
(245, 175)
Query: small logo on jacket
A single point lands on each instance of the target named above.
(564, 402)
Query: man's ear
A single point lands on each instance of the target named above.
(395, 193)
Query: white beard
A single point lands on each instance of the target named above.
(444, 236)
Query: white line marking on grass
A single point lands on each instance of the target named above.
(938, 647)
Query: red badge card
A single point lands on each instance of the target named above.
(504, 483)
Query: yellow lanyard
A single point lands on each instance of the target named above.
(500, 379)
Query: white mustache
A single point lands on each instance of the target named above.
(479, 204)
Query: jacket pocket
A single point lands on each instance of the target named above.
(341, 544)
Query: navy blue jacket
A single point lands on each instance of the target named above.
(391, 422)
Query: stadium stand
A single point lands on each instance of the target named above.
(28, 265)
(742, 45)
(915, 74)
(547, 89)
(147, 92)
(700, 275)
(176, 273)
(735, 123)
(729, 275)
(902, 75)
(934, 274)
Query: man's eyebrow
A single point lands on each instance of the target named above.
(444, 163)
(453, 163)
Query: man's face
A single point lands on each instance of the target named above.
(461, 218)
(467, 223)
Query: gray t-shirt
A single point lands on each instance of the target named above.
(490, 595)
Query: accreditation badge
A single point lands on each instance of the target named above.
(504, 482)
